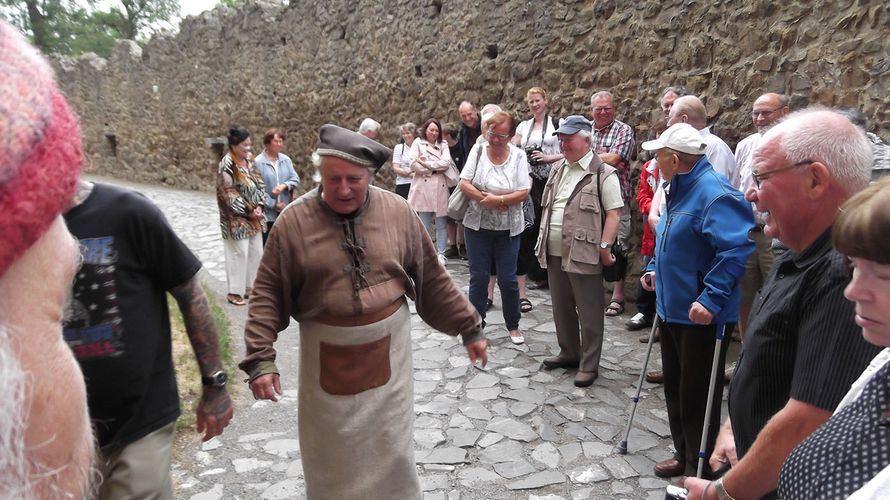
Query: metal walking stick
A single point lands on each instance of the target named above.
(622, 446)
(719, 334)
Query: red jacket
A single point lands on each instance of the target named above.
(645, 193)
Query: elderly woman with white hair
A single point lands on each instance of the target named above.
(369, 128)
(47, 442)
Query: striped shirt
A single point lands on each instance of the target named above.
(801, 341)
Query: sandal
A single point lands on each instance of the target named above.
(616, 308)
(235, 299)
(525, 305)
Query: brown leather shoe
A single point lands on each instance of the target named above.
(558, 362)
(669, 468)
(655, 377)
(645, 338)
(585, 379)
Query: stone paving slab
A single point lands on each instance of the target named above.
(510, 431)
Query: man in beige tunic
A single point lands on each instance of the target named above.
(341, 260)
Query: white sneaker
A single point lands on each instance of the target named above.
(442, 259)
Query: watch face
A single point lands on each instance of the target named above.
(218, 379)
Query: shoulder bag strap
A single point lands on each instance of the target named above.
(599, 194)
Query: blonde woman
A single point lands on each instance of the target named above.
(536, 137)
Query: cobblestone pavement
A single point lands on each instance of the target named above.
(508, 431)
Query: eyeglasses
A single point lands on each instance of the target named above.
(492, 134)
(603, 109)
(764, 113)
(759, 177)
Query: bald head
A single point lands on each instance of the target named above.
(768, 109)
(468, 114)
(688, 109)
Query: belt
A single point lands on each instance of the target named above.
(363, 319)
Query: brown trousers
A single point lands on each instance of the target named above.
(578, 307)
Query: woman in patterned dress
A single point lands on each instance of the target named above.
(240, 196)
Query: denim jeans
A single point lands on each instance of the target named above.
(441, 229)
(482, 246)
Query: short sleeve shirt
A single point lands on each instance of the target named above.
(571, 175)
(506, 178)
(801, 341)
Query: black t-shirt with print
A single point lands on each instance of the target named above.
(117, 321)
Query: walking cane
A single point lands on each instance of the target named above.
(622, 446)
(719, 334)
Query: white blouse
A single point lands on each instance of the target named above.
(504, 178)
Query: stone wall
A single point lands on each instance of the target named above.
(156, 114)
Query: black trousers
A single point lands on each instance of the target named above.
(269, 224)
(687, 352)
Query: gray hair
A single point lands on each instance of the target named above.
(368, 124)
(408, 126)
(680, 90)
(586, 135)
(601, 93)
(784, 100)
(316, 160)
(827, 136)
(856, 117)
(13, 464)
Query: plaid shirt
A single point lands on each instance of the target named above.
(616, 137)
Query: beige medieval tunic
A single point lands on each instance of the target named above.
(356, 383)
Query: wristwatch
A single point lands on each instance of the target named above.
(605, 245)
(216, 379)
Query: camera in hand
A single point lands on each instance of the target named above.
(528, 154)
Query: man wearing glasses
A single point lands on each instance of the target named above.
(767, 110)
(613, 141)
(803, 348)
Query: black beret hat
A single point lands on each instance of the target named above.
(352, 147)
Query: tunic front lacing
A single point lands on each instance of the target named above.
(354, 246)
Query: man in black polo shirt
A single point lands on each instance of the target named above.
(802, 349)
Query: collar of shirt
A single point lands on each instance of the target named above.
(605, 127)
(814, 251)
(583, 163)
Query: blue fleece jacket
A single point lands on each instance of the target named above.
(701, 246)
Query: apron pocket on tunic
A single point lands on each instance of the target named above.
(346, 370)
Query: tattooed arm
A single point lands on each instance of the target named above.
(215, 408)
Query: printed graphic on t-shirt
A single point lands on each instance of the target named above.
(92, 318)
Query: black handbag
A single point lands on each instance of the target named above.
(618, 270)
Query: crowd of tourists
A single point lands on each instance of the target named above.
(730, 240)
(786, 238)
